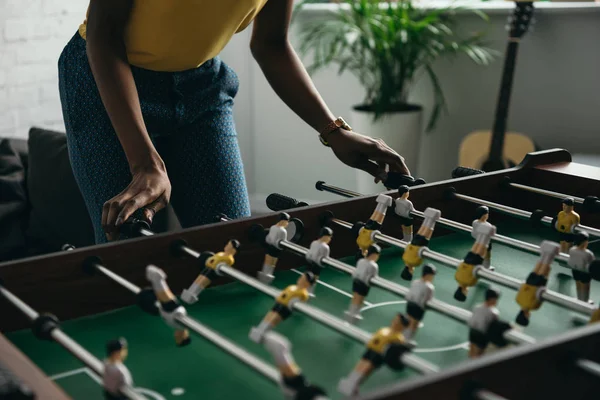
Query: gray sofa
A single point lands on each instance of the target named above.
(41, 207)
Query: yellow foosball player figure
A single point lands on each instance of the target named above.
(293, 383)
(466, 273)
(366, 234)
(403, 209)
(595, 316)
(581, 259)
(413, 253)
(485, 325)
(481, 222)
(530, 293)
(386, 346)
(116, 374)
(276, 234)
(421, 291)
(284, 304)
(211, 271)
(319, 249)
(366, 269)
(169, 308)
(565, 223)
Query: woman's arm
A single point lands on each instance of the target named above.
(108, 60)
(288, 78)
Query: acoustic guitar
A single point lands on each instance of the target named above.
(498, 149)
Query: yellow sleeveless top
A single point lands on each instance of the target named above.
(176, 35)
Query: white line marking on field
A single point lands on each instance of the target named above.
(92, 375)
(464, 345)
(594, 241)
(68, 373)
(333, 288)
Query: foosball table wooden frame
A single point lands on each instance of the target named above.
(57, 284)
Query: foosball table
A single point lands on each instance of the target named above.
(261, 317)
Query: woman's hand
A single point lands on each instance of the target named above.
(149, 189)
(365, 153)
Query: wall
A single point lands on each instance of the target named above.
(555, 100)
(32, 35)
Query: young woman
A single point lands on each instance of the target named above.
(147, 105)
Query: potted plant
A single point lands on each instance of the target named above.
(388, 46)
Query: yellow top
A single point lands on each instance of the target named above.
(566, 221)
(178, 35)
(383, 338)
(292, 292)
(219, 258)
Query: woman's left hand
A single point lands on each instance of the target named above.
(365, 153)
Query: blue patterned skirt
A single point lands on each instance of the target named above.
(189, 116)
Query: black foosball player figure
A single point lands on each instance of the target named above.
(466, 272)
(529, 296)
(403, 209)
(485, 327)
(116, 374)
(385, 346)
(565, 223)
(421, 291)
(318, 250)
(366, 234)
(581, 259)
(366, 269)
(284, 304)
(210, 271)
(277, 233)
(482, 215)
(293, 382)
(413, 253)
(169, 306)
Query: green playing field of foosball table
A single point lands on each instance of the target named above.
(163, 371)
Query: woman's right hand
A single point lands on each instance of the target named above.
(150, 190)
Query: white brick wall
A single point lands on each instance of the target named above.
(32, 35)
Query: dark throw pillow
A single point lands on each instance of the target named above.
(13, 201)
(58, 212)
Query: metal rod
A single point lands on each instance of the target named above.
(241, 354)
(118, 279)
(504, 280)
(79, 352)
(591, 367)
(515, 243)
(329, 320)
(322, 186)
(23, 307)
(69, 344)
(520, 213)
(483, 394)
(546, 192)
(458, 314)
(203, 331)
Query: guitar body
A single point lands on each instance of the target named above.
(473, 148)
(498, 149)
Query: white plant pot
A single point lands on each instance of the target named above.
(400, 130)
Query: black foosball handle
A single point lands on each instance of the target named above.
(461, 172)
(395, 179)
(280, 202)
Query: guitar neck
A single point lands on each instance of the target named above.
(501, 117)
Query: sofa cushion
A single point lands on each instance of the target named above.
(13, 200)
(58, 212)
